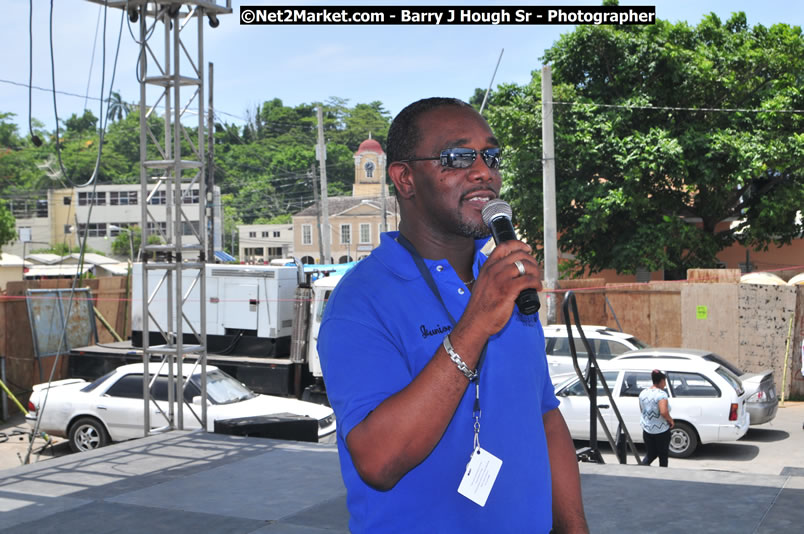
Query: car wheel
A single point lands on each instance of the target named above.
(86, 434)
(683, 440)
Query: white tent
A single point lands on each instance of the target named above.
(762, 278)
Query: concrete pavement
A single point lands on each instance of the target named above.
(183, 482)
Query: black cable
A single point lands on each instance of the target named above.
(34, 138)
(231, 347)
(55, 108)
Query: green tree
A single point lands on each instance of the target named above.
(19, 159)
(129, 240)
(118, 109)
(231, 220)
(664, 135)
(7, 225)
(86, 123)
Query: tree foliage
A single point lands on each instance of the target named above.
(266, 169)
(128, 242)
(664, 135)
(7, 229)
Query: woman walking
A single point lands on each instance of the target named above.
(656, 421)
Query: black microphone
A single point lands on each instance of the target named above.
(497, 216)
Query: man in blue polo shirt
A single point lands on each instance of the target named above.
(447, 421)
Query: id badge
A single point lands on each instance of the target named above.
(481, 473)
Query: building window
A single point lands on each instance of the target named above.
(68, 228)
(41, 208)
(67, 200)
(252, 234)
(157, 227)
(122, 198)
(85, 198)
(92, 229)
(251, 252)
(274, 252)
(276, 233)
(158, 198)
(346, 234)
(24, 233)
(265, 234)
(190, 197)
(365, 233)
(189, 228)
(307, 234)
(118, 227)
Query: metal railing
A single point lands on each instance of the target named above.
(588, 380)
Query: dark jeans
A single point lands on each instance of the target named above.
(657, 445)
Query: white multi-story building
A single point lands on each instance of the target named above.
(261, 243)
(65, 215)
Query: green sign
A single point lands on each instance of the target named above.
(701, 312)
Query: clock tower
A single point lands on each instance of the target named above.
(369, 170)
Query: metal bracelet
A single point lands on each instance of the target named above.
(462, 367)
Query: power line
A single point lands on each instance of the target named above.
(674, 108)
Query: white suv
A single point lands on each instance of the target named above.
(606, 342)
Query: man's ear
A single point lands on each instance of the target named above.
(402, 176)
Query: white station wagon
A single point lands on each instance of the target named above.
(606, 342)
(91, 414)
(707, 401)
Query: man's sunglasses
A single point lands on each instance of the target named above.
(463, 158)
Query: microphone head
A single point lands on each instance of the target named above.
(496, 208)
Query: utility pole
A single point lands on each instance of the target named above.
(317, 213)
(210, 175)
(322, 166)
(549, 195)
(381, 172)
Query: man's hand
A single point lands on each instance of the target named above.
(498, 285)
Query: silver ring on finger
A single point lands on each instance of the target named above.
(520, 267)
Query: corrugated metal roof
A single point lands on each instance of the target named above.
(55, 270)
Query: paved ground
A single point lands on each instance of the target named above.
(183, 482)
(766, 449)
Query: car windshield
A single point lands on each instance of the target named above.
(723, 363)
(223, 389)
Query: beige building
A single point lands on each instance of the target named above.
(11, 269)
(355, 221)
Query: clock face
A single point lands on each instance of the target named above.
(369, 166)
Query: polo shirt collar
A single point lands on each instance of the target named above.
(398, 260)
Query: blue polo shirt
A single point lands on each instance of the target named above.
(381, 326)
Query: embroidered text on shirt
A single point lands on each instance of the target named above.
(434, 331)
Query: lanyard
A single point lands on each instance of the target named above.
(428, 277)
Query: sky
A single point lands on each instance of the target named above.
(393, 64)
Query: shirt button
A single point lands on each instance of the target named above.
(461, 291)
(439, 268)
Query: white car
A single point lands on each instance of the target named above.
(760, 390)
(92, 414)
(605, 341)
(707, 401)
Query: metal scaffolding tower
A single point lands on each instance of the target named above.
(172, 165)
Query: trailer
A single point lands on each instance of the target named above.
(262, 327)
